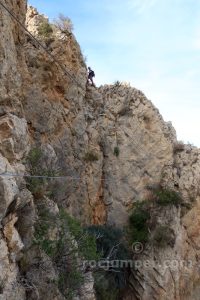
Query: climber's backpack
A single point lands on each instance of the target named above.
(91, 74)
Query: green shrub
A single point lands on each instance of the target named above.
(105, 286)
(69, 281)
(107, 238)
(141, 220)
(86, 242)
(144, 218)
(111, 245)
(163, 236)
(35, 184)
(38, 166)
(138, 224)
(70, 277)
(166, 197)
(45, 30)
(116, 151)
(46, 222)
(34, 157)
(70, 242)
(91, 157)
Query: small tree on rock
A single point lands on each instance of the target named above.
(64, 24)
(45, 30)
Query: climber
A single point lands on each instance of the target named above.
(90, 76)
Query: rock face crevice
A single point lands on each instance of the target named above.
(108, 144)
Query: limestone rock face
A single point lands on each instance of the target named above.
(12, 236)
(10, 288)
(132, 126)
(12, 59)
(14, 137)
(87, 290)
(172, 272)
(105, 144)
(34, 19)
(183, 174)
(8, 186)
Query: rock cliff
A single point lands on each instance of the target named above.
(104, 147)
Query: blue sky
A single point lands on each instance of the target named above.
(153, 44)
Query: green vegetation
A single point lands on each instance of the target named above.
(166, 197)
(85, 241)
(45, 30)
(116, 151)
(68, 230)
(38, 167)
(111, 245)
(63, 239)
(69, 281)
(110, 241)
(35, 184)
(34, 157)
(45, 224)
(66, 242)
(105, 286)
(143, 225)
(91, 156)
(138, 224)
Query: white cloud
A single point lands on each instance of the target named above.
(141, 5)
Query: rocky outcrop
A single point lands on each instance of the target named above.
(171, 272)
(12, 58)
(14, 137)
(132, 126)
(106, 145)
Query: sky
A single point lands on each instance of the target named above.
(152, 44)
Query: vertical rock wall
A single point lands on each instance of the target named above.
(109, 143)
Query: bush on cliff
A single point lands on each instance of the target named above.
(64, 24)
(45, 30)
(110, 241)
(116, 151)
(111, 246)
(143, 222)
(65, 242)
(91, 156)
(40, 170)
(138, 223)
(166, 197)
